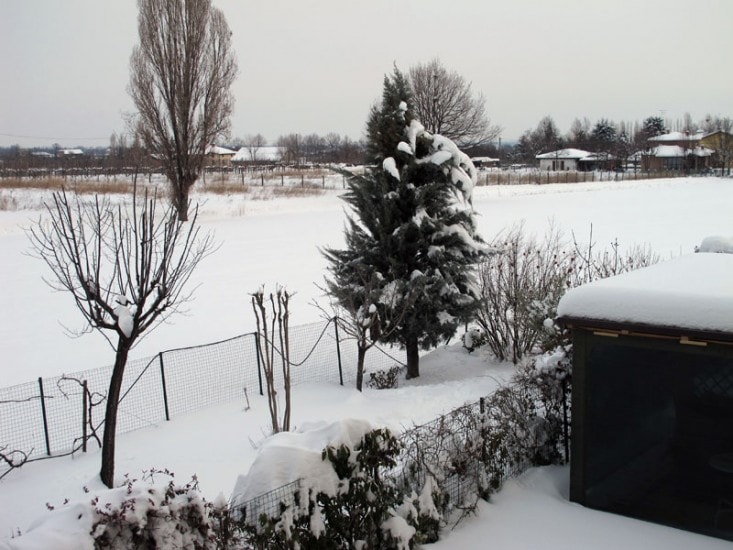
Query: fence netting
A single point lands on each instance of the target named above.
(58, 415)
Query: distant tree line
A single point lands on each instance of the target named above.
(620, 139)
(296, 149)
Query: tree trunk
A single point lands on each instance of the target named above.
(181, 191)
(360, 356)
(107, 473)
(413, 358)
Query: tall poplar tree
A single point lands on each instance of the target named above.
(411, 235)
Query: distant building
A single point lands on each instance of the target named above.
(219, 156)
(676, 151)
(562, 159)
(258, 155)
(69, 153)
(485, 162)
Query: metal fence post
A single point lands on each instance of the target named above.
(165, 389)
(259, 365)
(45, 419)
(84, 416)
(338, 349)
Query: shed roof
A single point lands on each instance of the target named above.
(692, 293)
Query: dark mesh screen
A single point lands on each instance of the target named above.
(659, 435)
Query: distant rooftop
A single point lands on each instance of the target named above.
(564, 154)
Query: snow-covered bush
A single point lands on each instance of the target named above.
(364, 509)
(473, 338)
(444, 458)
(466, 454)
(152, 515)
(526, 420)
(384, 379)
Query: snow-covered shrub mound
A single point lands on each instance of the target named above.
(289, 456)
(140, 514)
(716, 244)
(345, 497)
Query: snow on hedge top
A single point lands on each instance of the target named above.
(289, 456)
(693, 292)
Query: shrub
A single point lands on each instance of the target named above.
(521, 287)
(151, 515)
(473, 338)
(384, 379)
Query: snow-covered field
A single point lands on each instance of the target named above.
(277, 242)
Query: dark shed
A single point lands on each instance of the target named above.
(652, 422)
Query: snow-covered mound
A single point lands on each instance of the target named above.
(288, 456)
(716, 244)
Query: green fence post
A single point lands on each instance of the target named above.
(165, 389)
(338, 350)
(45, 418)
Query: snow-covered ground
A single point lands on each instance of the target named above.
(277, 242)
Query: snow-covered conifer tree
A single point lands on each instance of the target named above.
(412, 235)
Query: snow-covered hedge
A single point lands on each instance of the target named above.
(349, 502)
(148, 513)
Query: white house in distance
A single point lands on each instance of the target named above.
(258, 155)
(563, 159)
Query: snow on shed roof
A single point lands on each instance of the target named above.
(564, 154)
(677, 136)
(676, 151)
(690, 293)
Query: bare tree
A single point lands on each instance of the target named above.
(180, 79)
(292, 148)
(267, 348)
(333, 145)
(126, 269)
(445, 104)
(253, 143)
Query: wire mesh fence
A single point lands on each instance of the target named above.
(60, 415)
(270, 504)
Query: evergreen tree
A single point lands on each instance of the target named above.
(603, 135)
(653, 126)
(386, 123)
(411, 243)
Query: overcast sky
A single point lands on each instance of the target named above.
(317, 66)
